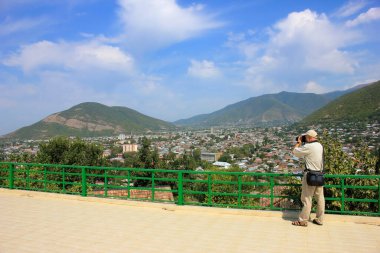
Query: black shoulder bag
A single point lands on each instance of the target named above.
(315, 178)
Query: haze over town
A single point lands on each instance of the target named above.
(173, 59)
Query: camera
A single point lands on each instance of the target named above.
(303, 138)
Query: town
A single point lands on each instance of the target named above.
(269, 149)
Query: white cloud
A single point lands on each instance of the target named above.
(71, 56)
(157, 23)
(305, 45)
(351, 8)
(367, 17)
(102, 56)
(9, 26)
(203, 69)
(310, 30)
(310, 41)
(334, 61)
(303, 40)
(313, 87)
(242, 42)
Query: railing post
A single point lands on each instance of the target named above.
(27, 177)
(180, 188)
(84, 182)
(63, 180)
(153, 192)
(129, 182)
(209, 184)
(239, 190)
(106, 183)
(271, 191)
(45, 179)
(11, 176)
(378, 203)
(342, 195)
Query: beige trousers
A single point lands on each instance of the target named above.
(307, 199)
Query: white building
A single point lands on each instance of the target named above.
(130, 147)
(121, 137)
(222, 164)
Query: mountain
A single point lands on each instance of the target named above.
(89, 120)
(335, 94)
(271, 109)
(360, 105)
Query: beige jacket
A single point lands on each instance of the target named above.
(313, 154)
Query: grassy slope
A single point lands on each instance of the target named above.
(362, 104)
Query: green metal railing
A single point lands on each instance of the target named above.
(344, 194)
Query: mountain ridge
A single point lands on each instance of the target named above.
(90, 119)
(269, 109)
(360, 105)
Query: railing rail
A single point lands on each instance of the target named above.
(344, 194)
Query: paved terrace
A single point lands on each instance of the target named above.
(45, 222)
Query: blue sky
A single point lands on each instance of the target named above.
(173, 59)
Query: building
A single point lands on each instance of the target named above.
(119, 158)
(210, 157)
(130, 147)
(222, 164)
(106, 153)
(121, 137)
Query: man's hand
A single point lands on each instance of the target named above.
(299, 142)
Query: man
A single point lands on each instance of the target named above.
(312, 152)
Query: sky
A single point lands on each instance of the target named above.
(174, 59)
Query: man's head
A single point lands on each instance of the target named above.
(311, 135)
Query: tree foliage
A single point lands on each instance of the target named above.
(222, 189)
(61, 150)
(2, 154)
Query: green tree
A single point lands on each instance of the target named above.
(22, 158)
(225, 188)
(148, 159)
(54, 151)
(115, 150)
(377, 166)
(188, 162)
(197, 154)
(145, 153)
(225, 157)
(2, 154)
(131, 159)
(61, 150)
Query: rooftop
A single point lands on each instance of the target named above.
(47, 222)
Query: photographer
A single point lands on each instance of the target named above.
(312, 152)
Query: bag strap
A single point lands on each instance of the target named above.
(323, 158)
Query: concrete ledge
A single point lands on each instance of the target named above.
(287, 215)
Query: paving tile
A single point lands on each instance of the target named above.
(39, 222)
